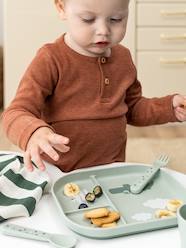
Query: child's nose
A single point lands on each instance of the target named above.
(103, 28)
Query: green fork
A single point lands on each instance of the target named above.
(138, 186)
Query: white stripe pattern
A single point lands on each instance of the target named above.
(37, 176)
(13, 211)
(19, 193)
(9, 189)
(15, 166)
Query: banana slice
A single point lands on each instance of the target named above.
(163, 213)
(71, 189)
(174, 204)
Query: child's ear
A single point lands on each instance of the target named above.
(61, 9)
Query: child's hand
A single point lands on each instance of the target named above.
(44, 140)
(179, 104)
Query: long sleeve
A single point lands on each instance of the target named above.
(87, 99)
(144, 111)
(23, 116)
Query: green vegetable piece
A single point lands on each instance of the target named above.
(90, 197)
(97, 191)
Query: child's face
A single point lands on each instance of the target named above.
(94, 26)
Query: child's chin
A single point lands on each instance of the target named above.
(98, 51)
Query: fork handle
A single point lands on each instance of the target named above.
(141, 182)
(23, 232)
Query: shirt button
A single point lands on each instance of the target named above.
(107, 82)
(103, 60)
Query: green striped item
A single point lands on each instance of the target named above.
(20, 190)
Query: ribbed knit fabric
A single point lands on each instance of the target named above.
(90, 100)
(20, 190)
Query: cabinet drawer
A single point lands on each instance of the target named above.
(157, 14)
(162, 73)
(161, 38)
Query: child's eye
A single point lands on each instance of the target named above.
(88, 20)
(115, 19)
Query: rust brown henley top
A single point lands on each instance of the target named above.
(87, 99)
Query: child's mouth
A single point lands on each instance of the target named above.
(102, 43)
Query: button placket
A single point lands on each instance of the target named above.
(103, 60)
(105, 82)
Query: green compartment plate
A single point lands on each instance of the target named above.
(137, 210)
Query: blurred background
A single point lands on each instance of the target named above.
(1, 53)
(1, 22)
(157, 41)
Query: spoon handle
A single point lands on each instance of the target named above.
(24, 232)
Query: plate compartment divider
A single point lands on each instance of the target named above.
(96, 182)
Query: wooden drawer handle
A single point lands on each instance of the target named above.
(173, 61)
(173, 37)
(166, 13)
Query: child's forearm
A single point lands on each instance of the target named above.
(144, 111)
(23, 116)
(19, 125)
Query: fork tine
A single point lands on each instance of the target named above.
(163, 158)
(158, 163)
(166, 158)
(160, 157)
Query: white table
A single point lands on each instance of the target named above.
(46, 217)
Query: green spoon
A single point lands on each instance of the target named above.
(57, 240)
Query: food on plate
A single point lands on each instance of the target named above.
(71, 189)
(90, 197)
(163, 213)
(103, 217)
(97, 213)
(79, 201)
(97, 191)
(83, 205)
(113, 224)
(112, 217)
(174, 204)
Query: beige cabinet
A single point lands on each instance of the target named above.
(161, 46)
(156, 36)
(28, 24)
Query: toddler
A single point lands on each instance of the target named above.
(79, 92)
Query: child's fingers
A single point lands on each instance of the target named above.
(62, 148)
(59, 142)
(46, 145)
(58, 139)
(180, 114)
(48, 149)
(181, 110)
(179, 100)
(35, 155)
(27, 161)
